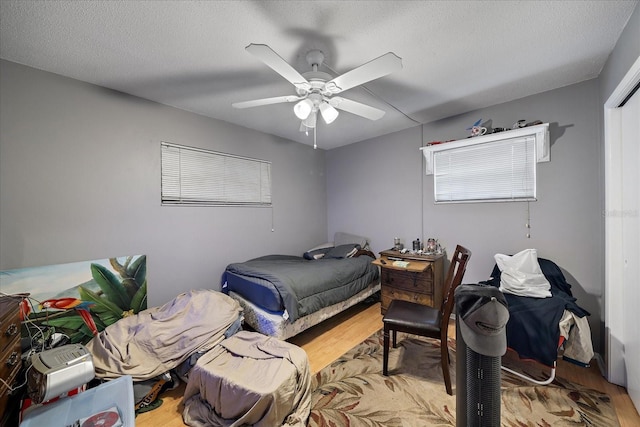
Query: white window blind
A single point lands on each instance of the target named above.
(192, 176)
(502, 170)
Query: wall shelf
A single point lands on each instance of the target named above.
(539, 132)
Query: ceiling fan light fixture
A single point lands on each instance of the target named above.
(315, 89)
(329, 114)
(303, 108)
(310, 121)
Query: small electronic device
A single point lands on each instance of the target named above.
(59, 370)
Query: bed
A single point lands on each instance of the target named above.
(542, 329)
(282, 295)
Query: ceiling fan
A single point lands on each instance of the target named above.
(316, 89)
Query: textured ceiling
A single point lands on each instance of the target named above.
(457, 55)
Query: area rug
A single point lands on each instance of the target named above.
(352, 392)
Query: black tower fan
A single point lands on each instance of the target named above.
(481, 317)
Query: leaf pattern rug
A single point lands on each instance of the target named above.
(352, 392)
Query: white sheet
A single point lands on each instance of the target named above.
(521, 275)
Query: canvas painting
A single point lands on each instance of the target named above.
(77, 300)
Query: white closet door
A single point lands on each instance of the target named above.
(630, 213)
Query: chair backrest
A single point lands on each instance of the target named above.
(454, 277)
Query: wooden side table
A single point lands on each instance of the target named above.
(420, 281)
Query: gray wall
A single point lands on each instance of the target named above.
(80, 180)
(389, 194)
(374, 188)
(626, 52)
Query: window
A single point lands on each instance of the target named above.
(497, 167)
(192, 176)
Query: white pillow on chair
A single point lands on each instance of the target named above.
(521, 274)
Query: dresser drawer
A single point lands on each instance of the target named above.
(420, 282)
(5, 393)
(10, 354)
(389, 294)
(9, 329)
(10, 359)
(414, 282)
(10, 364)
(12, 372)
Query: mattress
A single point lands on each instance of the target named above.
(254, 289)
(279, 325)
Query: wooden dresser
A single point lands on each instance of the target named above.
(10, 353)
(421, 280)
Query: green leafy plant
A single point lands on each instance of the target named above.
(118, 297)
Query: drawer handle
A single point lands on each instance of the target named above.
(11, 330)
(13, 359)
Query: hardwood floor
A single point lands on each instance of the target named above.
(326, 342)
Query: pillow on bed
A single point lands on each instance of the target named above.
(521, 275)
(316, 253)
(340, 238)
(327, 245)
(343, 251)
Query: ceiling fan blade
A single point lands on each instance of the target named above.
(356, 108)
(374, 69)
(279, 65)
(266, 101)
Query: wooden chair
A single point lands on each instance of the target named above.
(426, 321)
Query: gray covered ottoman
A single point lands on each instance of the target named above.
(249, 379)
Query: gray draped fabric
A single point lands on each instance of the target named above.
(249, 379)
(158, 339)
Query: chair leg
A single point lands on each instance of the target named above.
(444, 360)
(385, 353)
(395, 340)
